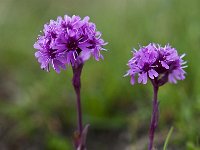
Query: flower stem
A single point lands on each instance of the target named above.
(154, 117)
(79, 111)
(77, 69)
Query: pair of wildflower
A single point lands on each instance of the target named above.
(72, 40)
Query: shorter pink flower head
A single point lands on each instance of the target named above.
(155, 62)
(68, 41)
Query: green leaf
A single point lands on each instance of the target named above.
(168, 137)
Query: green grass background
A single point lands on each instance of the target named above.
(37, 109)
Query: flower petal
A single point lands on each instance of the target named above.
(132, 79)
(152, 74)
(85, 55)
(145, 78)
(164, 64)
(55, 66)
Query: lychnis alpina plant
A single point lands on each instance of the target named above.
(70, 41)
(160, 65)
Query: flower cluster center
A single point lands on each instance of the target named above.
(72, 44)
(52, 53)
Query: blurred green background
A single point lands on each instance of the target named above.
(37, 109)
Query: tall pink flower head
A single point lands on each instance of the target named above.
(156, 62)
(67, 41)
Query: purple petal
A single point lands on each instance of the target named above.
(172, 79)
(43, 59)
(152, 73)
(44, 65)
(164, 64)
(85, 55)
(142, 78)
(145, 78)
(37, 46)
(67, 18)
(60, 47)
(38, 54)
(62, 58)
(55, 66)
(132, 79)
(60, 64)
(86, 19)
(179, 74)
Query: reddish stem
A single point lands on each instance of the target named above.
(77, 69)
(154, 117)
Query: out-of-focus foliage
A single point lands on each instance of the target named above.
(37, 109)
